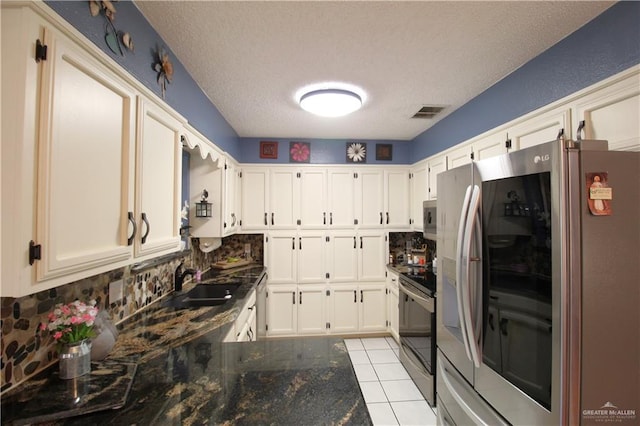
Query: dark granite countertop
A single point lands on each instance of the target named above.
(186, 375)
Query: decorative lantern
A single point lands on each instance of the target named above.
(203, 208)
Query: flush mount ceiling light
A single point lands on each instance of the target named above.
(330, 102)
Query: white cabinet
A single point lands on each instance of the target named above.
(356, 256)
(540, 128)
(612, 113)
(295, 310)
(490, 146)
(393, 311)
(437, 164)
(296, 257)
(283, 198)
(370, 198)
(357, 308)
(341, 198)
(231, 195)
(459, 156)
(244, 328)
(419, 193)
(313, 199)
(255, 197)
(158, 173)
(397, 205)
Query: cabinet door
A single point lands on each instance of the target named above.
(157, 179)
(84, 189)
(342, 257)
(459, 156)
(372, 256)
(312, 317)
(283, 199)
(313, 199)
(344, 309)
(341, 204)
(419, 193)
(372, 307)
(397, 211)
(255, 193)
(282, 310)
(282, 257)
(231, 217)
(490, 146)
(540, 129)
(370, 198)
(612, 114)
(311, 248)
(435, 165)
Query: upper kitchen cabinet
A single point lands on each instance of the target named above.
(397, 204)
(68, 138)
(540, 128)
(231, 205)
(313, 199)
(341, 198)
(158, 173)
(255, 198)
(612, 113)
(419, 193)
(435, 165)
(83, 157)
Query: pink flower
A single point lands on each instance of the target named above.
(43, 326)
(300, 152)
(57, 335)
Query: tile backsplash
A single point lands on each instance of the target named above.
(26, 349)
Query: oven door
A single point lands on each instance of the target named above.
(417, 337)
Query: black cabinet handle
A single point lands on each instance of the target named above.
(300, 297)
(360, 242)
(273, 222)
(324, 218)
(331, 218)
(354, 242)
(387, 218)
(233, 216)
(293, 243)
(300, 242)
(265, 219)
(355, 296)
(146, 222)
(380, 218)
(135, 228)
(361, 296)
(293, 293)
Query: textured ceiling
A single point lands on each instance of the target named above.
(251, 58)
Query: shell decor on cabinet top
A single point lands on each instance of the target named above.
(115, 39)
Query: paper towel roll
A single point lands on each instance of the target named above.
(208, 245)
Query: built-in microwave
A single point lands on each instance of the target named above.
(429, 220)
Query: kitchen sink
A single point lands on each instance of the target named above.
(204, 295)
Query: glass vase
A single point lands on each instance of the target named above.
(75, 359)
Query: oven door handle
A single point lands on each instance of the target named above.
(414, 294)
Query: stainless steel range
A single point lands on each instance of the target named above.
(417, 328)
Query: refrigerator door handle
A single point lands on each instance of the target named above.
(472, 284)
(459, 272)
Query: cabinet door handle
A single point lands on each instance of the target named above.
(273, 222)
(265, 219)
(300, 297)
(331, 218)
(387, 218)
(300, 242)
(354, 242)
(135, 228)
(360, 242)
(293, 243)
(361, 296)
(324, 218)
(293, 293)
(146, 222)
(380, 218)
(233, 216)
(355, 296)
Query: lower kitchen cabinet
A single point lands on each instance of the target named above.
(357, 308)
(393, 307)
(296, 310)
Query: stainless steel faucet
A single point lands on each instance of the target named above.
(180, 274)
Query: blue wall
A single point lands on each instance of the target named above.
(183, 94)
(605, 46)
(324, 151)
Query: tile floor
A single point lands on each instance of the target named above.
(391, 396)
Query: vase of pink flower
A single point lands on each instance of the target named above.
(73, 327)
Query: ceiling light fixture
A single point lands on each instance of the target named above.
(331, 102)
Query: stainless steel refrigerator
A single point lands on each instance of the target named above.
(538, 307)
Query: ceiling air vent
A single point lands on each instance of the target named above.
(428, 112)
